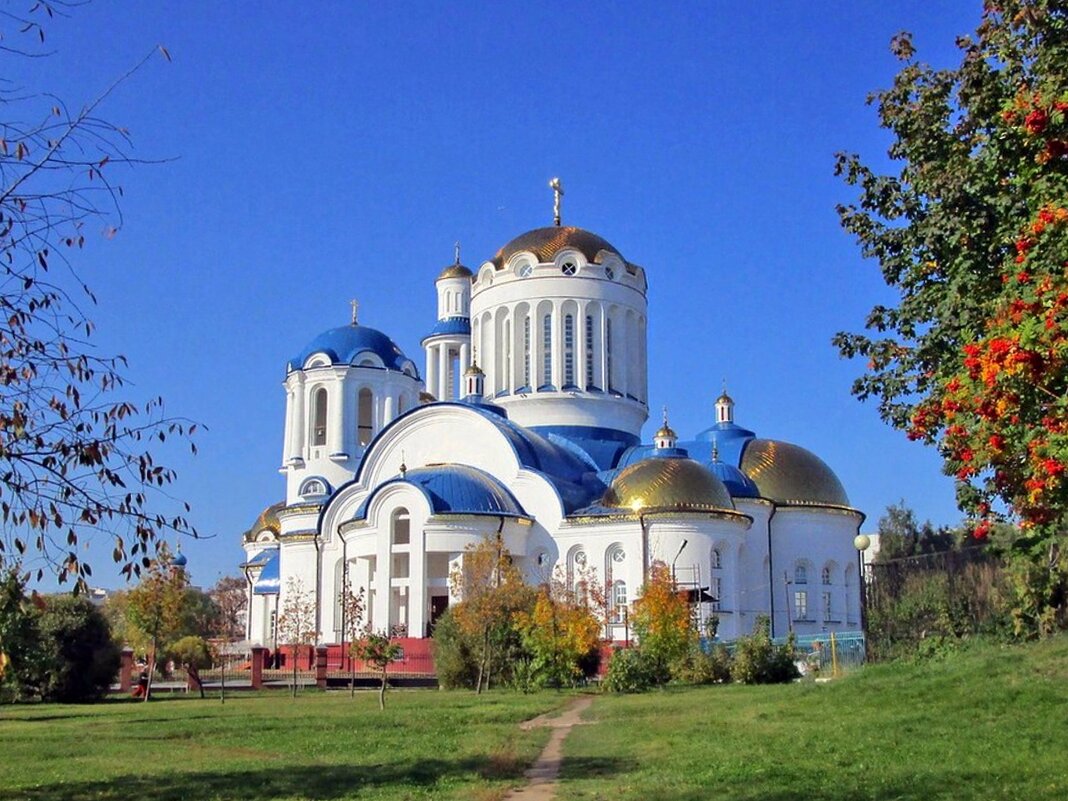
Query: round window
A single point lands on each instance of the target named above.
(569, 268)
(610, 273)
(525, 270)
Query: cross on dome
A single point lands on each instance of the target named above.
(558, 192)
(456, 248)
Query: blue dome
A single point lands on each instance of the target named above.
(450, 326)
(738, 484)
(179, 560)
(456, 489)
(344, 345)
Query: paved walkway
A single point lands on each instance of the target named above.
(541, 784)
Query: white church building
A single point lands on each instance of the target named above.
(526, 423)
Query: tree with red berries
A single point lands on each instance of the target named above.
(971, 229)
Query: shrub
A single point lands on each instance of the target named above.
(80, 658)
(757, 660)
(701, 667)
(20, 639)
(455, 662)
(630, 670)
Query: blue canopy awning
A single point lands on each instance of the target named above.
(269, 582)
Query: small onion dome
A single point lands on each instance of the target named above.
(668, 484)
(724, 398)
(426, 397)
(545, 243)
(666, 431)
(179, 559)
(456, 270)
(791, 476)
(344, 345)
(267, 521)
(474, 369)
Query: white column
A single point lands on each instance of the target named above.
(417, 596)
(336, 420)
(432, 370)
(287, 437)
(390, 410)
(383, 591)
(443, 373)
(606, 378)
(465, 358)
(580, 347)
(558, 347)
(299, 421)
(621, 342)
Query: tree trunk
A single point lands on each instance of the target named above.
(222, 684)
(151, 670)
(483, 663)
(293, 653)
(194, 676)
(382, 690)
(352, 677)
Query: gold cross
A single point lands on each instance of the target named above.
(355, 307)
(558, 192)
(456, 247)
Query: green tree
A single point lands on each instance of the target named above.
(379, 651)
(75, 458)
(20, 638)
(970, 229)
(193, 654)
(80, 658)
(352, 603)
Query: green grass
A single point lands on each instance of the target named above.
(426, 744)
(987, 723)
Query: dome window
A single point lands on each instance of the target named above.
(569, 268)
(525, 270)
(610, 273)
(313, 488)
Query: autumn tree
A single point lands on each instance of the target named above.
(76, 459)
(230, 596)
(296, 622)
(379, 651)
(193, 654)
(353, 604)
(970, 228)
(491, 592)
(154, 610)
(560, 631)
(663, 621)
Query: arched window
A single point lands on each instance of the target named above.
(313, 487)
(589, 351)
(609, 379)
(400, 527)
(717, 560)
(364, 416)
(825, 575)
(619, 602)
(614, 556)
(526, 351)
(800, 574)
(569, 350)
(715, 583)
(506, 370)
(547, 349)
(319, 417)
(576, 568)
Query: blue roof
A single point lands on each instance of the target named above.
(450, 325)
(269, 581)
(455, 489)
(343, 346)
(730, 440)
(738, 484)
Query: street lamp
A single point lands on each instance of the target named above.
(861, 542)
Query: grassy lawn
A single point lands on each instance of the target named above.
(991, 723)
(427, 744)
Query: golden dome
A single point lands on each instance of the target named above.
(474, 369)
(790, 475)
(545, 243)
(455, 271)
(268, 520)
(668, 485)
(426, 397)
(665, 431)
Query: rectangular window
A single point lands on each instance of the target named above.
(569, 350)
(609, 379)
(526, 351)
(801, 605)
(716, 591)
(619, 602)
(826, 607)
(589, 351)
(547, 349)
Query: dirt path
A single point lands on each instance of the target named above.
(541, 784)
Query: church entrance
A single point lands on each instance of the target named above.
(438, 605)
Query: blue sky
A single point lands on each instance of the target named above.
(328, 151)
